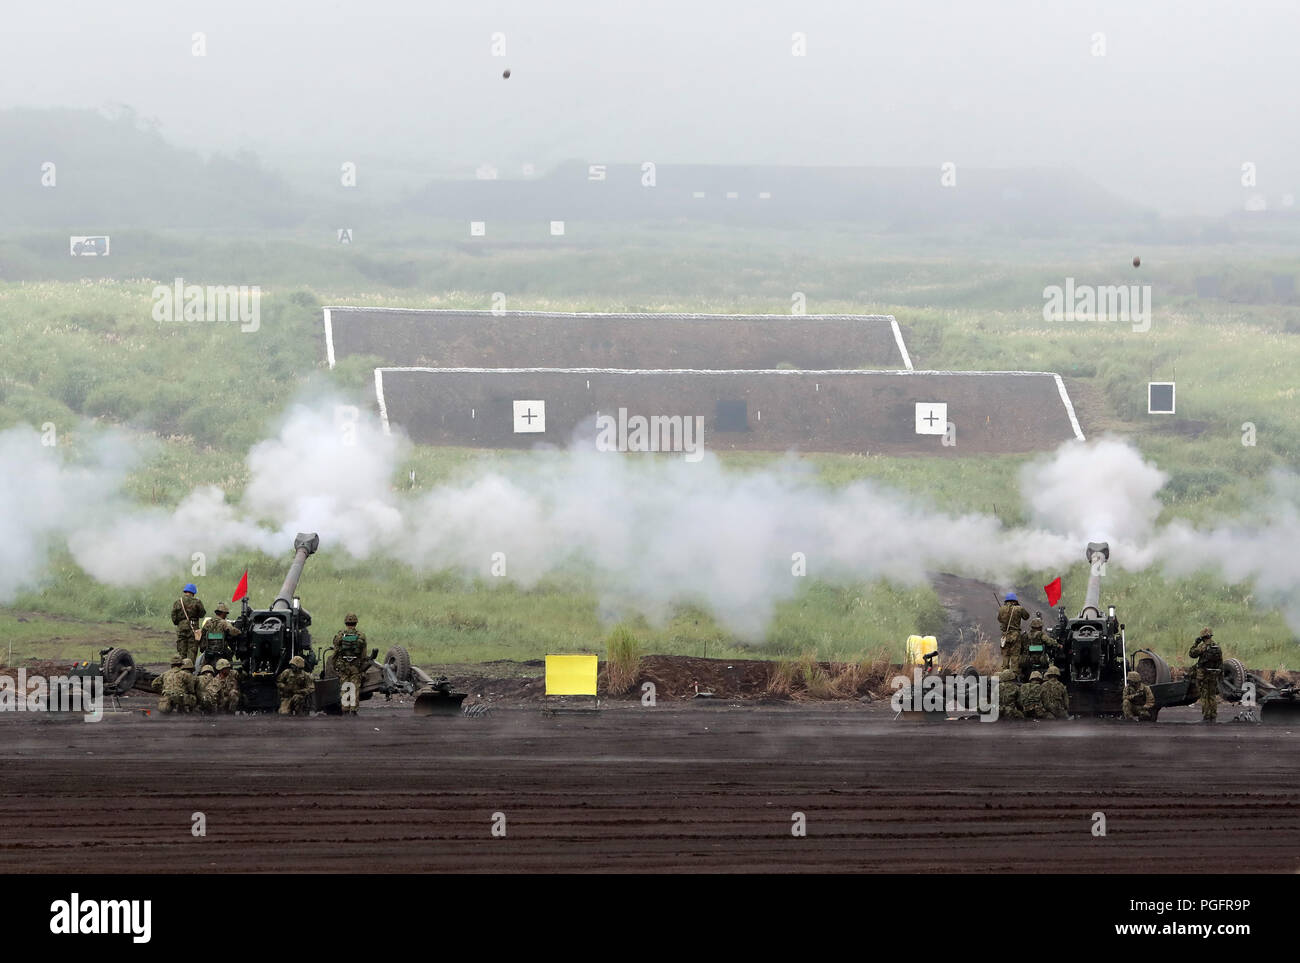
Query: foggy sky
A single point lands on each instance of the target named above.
(1186, 92)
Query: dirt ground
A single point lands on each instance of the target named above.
(681, 786)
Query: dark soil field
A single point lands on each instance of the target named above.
(696, 786)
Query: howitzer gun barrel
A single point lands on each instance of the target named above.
(1098, 553)
(304, 545)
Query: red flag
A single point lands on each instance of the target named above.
(1053, 590)
(242, 588)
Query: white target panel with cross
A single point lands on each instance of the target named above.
(931, 417)
(530, 416)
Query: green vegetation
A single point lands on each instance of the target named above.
(622, 660)
(79, 352)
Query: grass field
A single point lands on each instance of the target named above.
(85, 353)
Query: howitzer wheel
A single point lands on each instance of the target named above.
(1233, 679)
(117, 661)
(399, 660)
(971, 672)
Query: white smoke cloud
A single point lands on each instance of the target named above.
(652, 531)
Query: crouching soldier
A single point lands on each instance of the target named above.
(205, 689)
(1031, 697)
(227, 688)
(295, 688)
(1008, 696)
(1139, 700)
(176, 688)
(349, 662)
(1055, 698)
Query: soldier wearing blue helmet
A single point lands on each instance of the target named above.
(187, 616)
(1010, 614)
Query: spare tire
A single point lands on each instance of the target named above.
(1233, 679)
(399, 661)
(119, 662)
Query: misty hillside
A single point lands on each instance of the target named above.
(115, 172)
(893, 199)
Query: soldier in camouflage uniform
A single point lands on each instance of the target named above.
(176, 688)
(203, 687)
(227, 687)
(217, 633)
(187, 616)
(1010, 614)
(1031, 697)
(1209, 669)
(1055, 698)
(350, 660)
(187, 670)
(1008, 696)
(1139, 700)
(295, 688)
(1036, 655)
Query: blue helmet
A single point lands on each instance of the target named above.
(1011, 597)
(191, 588)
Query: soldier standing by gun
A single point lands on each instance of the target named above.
(349, 661)
(217, 633)
(1209, 669)
(295, 688)
(1035, 647)
(1010, 615)
(187, 613)
(1139, 700)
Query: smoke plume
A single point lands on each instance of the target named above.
(652, 531)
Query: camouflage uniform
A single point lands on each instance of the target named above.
(226, 687)
(1010, 614)
(205, 688)
(217, 633)
(1031, 697)
(176, 687)
(350, 658)
(1036, 654)
(1055, 698)
(1008, 696)
(1205, 650)
(1139, 700)
(295, 688)
(187, 615)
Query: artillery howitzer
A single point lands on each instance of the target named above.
(1095, 660)
(269, 638)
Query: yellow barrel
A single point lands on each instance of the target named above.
(919, 646)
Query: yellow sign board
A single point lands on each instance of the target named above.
(571, 675)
